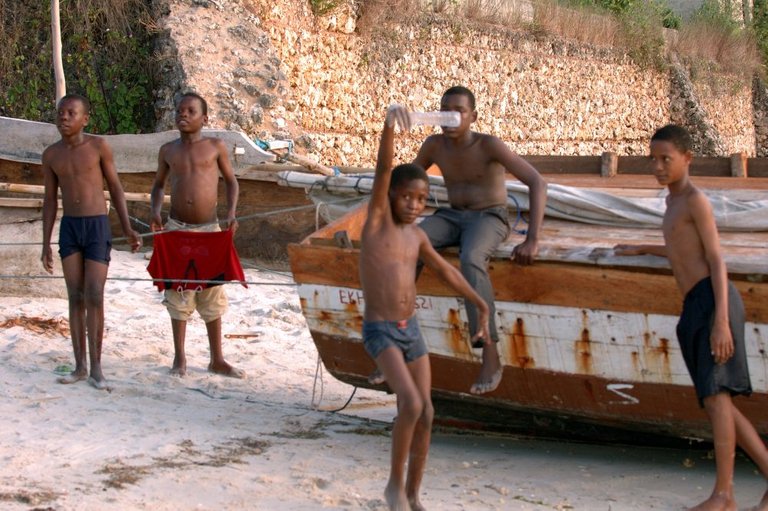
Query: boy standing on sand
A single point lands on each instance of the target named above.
(711, 327)
(193, 164)
(391, 247)
(79, 164)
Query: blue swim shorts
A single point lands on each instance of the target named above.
(90, 235)
(403, 335)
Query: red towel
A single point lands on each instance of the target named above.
(180, 255)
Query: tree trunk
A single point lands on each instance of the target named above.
(58, 66)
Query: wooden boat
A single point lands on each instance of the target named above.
(261, 199)
(22, 220)
(588, 338)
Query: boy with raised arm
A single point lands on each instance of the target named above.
(193, 164)
(79, 164)
(711, 326)
(391, 247)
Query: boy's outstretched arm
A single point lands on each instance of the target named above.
(117, 194)
(721, 339)
(456, 280)
(50, 205)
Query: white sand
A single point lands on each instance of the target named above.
(158, 442)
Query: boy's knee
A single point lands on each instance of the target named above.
(411, 409)
(76, 296)
(427, 413)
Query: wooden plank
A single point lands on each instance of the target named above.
(640, 289)
(757, 167)
(565, 164)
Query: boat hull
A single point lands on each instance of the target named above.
(610, 366)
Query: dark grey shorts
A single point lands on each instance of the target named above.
(693, 331)
(403, 335)
(90, 235)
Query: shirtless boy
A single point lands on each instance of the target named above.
(193, 163)
(711, 327)
(391, 247)
(79, 164)
(474, 166)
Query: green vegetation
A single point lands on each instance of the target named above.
(760, 24)
(322, 7)
(631, 8)
(106, 51)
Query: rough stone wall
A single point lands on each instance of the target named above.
(727, 100)
(275, 70)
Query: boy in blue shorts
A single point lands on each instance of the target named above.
(391, 247)
(711, 327)
(79, 164)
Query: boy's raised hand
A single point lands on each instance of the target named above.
(397, 114)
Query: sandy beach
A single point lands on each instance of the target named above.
(274, 440)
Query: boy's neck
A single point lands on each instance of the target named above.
(462, 140)
(74, 140)
(680, 186)
(190, 137)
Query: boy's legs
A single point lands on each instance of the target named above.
(218, 365)
(179, 328)
(212, 304)
(410, 408)
(72, 267)
(720, 411)
(482, 233)
(421, 373)
(95, 278)
(749, 440)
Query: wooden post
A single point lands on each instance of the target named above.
(739, 164)
(58, 66)
(609, 166)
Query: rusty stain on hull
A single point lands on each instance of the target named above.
(518, 346)
(583, 347)
(354, 319)
(455, 333)
(657, 356)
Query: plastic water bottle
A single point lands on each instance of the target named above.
(445, 119)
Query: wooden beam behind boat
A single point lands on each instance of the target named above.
(40, 190)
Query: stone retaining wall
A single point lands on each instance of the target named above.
(275, 70)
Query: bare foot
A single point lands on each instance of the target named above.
(99, 384)
(490, 372)
(416, 504)
(225, 369)
(395, 498)
(73, 377)
(716, 502)
(376, 377)
(178, 371)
